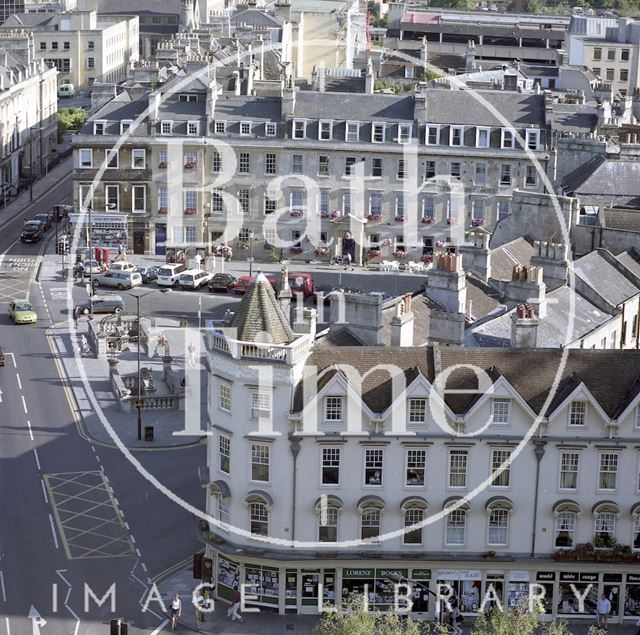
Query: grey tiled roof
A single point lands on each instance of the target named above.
(604, 278)
(612, 178)
(627, 219)
(576, 179)
(259, 313)
(574, 118)
(505, 257)
(530, 371)
(631, 260)
(553, 328)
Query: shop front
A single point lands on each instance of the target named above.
(106, 230)
(466, 585)
(573, 586)
(545, 588)
(632, 596)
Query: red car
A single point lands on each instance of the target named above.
(243, 283)
(301, 283)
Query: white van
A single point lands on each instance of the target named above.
(168, 275)
(66, 90)
(194, 279)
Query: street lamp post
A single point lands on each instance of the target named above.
(89, 245)
(251, 237)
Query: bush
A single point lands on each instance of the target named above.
(70, 119)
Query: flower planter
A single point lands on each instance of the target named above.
(325, 214)
(336, 214)
(190, 165)
(374, 218)
(400, 255)
(190, 211)
(429, 220)
(163, 210)
(297, 213)
(321, 251)
(478, 222)
(163, 165)
(452, 221)
(400, 219)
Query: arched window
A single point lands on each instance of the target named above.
(370, 523)
(498, 533)
(259, 518)
(565, 529)
(456, 526)
(413, 515)
(328, 524)
(636, 531)
(605, 515)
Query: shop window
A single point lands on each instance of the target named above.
(573, 585)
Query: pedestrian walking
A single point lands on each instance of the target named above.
(603, 609)
(197, 259)
(234, 609)
(176, 610)
(198, 603)
(76, 314)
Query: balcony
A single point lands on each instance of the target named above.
(218, 341)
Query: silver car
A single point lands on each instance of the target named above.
(118, 279)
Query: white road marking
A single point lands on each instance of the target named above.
(13, 357)
(2, 588)
(97, 458)
(6, 621)
(53, 531)
(19, 382)
(127, 525)
(35, 453)
(24, 405)
(133, 540)
(30, 430)
(0, 396)
(44, 492)
(159, 629)
(144, 567)
(138, 553)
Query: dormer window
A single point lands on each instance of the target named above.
(456, 136)
(578, 413)
(166, 127)
(325, 131)
(220, 127)
(187, 98)
(299, 128)
(270, 129)
(432, 135)
(125, 124)
(404, 133)
(353, 131)
(333, 409)
(532, 139)
(508, 140)
(99, 127)
(192, 128)
(500, 410)
(483, 136)
(378, 132)
(245, 128)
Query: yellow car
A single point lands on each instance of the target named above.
(21, 312)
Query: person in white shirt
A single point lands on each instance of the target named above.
(176, 610)
(604, 608)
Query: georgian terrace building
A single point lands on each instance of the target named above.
(399, 171)
(322, 444)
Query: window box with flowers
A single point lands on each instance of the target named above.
(297, 213)
(163, 210)
(373, 253)
(190, 211)
(440, 244)
(190, 165)
(478, 222)
(374, 218)
(163, 165)
(325, 214)
(386, 242)
(428, 220)
(321, 251)
(452, 220)
(243, 245)
(399, 254)
(336, 214)
(427, 258)
(295, 250)
(400, 218)
(224, 251)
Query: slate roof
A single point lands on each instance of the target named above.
(626, 219)
(605, 177)
(515, 252)
(259, 313)
(481, 299)
(631, 260)
(255, 17)
(594, 270)
(552, 328)
(574, 118)
(530, 372)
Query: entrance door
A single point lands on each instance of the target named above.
(138, 241)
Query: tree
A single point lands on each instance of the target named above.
(70, 119)
(521, 621)
(358, 619)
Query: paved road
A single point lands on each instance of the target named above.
(73, 513)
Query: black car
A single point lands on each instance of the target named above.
(148, 273)
(221, 282)
(32, 232)
(45, 218)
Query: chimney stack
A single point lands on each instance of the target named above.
(402, 323)
(420, 103)
(369, 80)
(363, 315)
(288, 101)
(554, 260)
(305, 320)
(470, 56)
(524, 327)
(476, 255)
(527, 286)
(285, 295)
(154, 106)
(446, 282)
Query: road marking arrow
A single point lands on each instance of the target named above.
(36, 620)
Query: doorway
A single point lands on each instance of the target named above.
(138, 241)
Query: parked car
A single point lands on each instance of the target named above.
(66, 90)
(45, 218)
(169, 274)
(301, 283)
(122, 265)
(194, 278)
(244, 282)
(92, 267)
(32, 232)
(148, 273)
(21, 312)
(221, 282)
(102, 304)
(118, 279)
